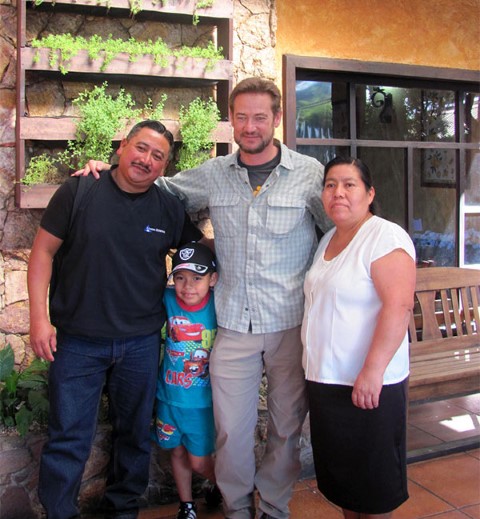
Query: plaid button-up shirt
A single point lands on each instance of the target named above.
(264, 243)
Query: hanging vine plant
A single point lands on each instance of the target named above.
(63, 47)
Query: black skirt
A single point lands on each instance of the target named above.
(360, 455)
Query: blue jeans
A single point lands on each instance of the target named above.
(83, 366)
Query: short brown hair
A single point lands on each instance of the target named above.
(257, 85)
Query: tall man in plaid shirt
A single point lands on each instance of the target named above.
(264, 202)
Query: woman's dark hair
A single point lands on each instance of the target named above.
(362, 168)
(158, 127)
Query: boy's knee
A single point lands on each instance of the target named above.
(178, 452)
(203, 465)
(199, 465)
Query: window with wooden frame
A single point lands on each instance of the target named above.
(417, 128)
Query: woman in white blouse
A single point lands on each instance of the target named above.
(358, 299)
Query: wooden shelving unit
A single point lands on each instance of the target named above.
(181, 71)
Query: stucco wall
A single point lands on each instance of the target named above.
(437, 33)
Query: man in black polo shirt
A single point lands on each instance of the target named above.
(105, 267)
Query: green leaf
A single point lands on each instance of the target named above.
(23, 419)
(11, 383)
(7, 362)
(9, 421)
(39, 405)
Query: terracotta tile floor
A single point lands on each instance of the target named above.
(441, 488)
(445, 426)
(447, 486)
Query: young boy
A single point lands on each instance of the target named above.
(184, 420)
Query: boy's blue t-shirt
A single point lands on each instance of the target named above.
(184, 377)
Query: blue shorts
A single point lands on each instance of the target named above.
(192, 428)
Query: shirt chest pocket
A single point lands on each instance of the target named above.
(284, 214)
(227, 214)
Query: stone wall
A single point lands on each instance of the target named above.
(19, 465)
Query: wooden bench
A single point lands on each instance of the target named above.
(445, 334)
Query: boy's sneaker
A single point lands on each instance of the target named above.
(187, 510)
(213, 496)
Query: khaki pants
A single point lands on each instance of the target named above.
(237, 363)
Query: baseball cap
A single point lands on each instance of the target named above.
(195, 257)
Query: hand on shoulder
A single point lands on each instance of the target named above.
(92, 167)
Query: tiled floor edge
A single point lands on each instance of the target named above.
(443, 449)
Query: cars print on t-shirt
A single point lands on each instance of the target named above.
(186, 346)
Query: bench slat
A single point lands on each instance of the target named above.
(462, 342)
(447, 366)
(457, 361)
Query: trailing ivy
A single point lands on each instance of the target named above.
(200, 4)
(197, 123)
(63, 47)
(135, 6)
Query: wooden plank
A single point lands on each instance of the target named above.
(444, 390)
(465, 306)
(456, 311)
(181, 68)
(465, 358)
(37, 196)
(430, 328)
(63, 128)
(443, 371)
(436, 278)
(445, 311)
(219, 9)
(474, 295)
(453, 344)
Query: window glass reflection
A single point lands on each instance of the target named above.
(472, 239)
(321, 110)
(472, 190)
(471, 104)
(324, 154)
(387, 166)
(434, 217)
(413, 114)
(437, 115)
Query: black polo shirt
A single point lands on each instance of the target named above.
(109, 274)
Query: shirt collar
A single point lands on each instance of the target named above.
(285, 158)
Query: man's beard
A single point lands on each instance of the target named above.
(256, 149)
